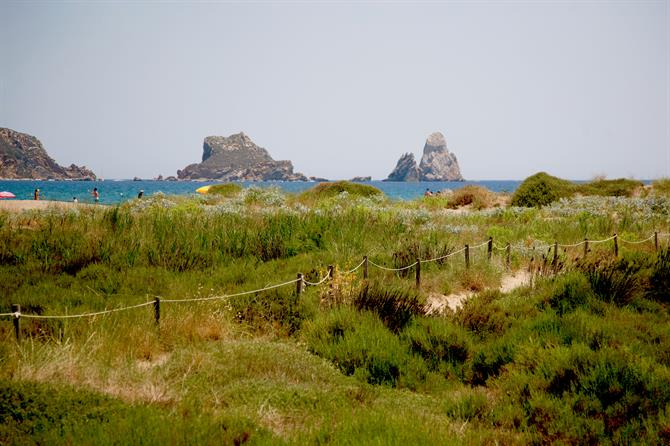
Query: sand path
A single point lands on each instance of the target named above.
(32, 205)
(437, 303)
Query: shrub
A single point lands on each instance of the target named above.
(359, 344)
(482, 315)
(224, 190)
(621, 187)
(569, 292)
(439, 342)
(615, 281)
(394, 306)
(540, 190)
(489, 360)
(661, 186)
(659, 279)
(268, 307)
(477, 196)
(468, 405)
(328, 190)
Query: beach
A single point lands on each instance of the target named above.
(33, 205)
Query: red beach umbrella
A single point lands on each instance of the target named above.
(5, 194)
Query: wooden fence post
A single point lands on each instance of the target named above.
(489, 249)
(616, 245)
(16, 308)
(365, 267)
(157, 310)
(586, 247)
(298, 286)
(508, 256)
(467, 256)
(656, 240)
(554, 262)
(418, 273)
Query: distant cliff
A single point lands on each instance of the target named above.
(437, 163)
(237, 158)
(23, 157)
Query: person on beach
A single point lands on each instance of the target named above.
(141, 194)
(74, 200)
(96, 194)
(37, 194)
(428, 193)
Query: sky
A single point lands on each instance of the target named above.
(343, 89)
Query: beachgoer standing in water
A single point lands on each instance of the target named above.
(37, 194)
(96, 194)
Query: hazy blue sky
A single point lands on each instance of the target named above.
(343, 89)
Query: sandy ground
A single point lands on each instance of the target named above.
(32, 205)
(438, 302)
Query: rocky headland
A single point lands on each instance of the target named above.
(22, 156)
(437, 163)
(237, 158)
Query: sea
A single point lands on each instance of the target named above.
(118, 191)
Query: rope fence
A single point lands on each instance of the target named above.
(299, 282)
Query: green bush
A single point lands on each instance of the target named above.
(477, 196)
(661, 186)
(615, 281)
(394, 306)
(443, 345)
(328, 190)
(659, 279)
(621, 187)
(35, 413)
(540, 190)
(225, 190)
(569, 292)
(360, 345)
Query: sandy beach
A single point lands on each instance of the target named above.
(32, 205)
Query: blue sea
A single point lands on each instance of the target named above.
(118, 191)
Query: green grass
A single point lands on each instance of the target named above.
(582, 356)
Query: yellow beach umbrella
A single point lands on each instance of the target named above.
(203, 189)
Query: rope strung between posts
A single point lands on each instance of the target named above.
(631, 242)
(316, 283)
(574, 245)
(444, 256)
(354, 270)
(480, 245)
(325, 278)
(225, 296)
(603, 241)
(96, 313)
(392, 269)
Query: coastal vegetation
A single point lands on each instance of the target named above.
(578, 355)
(542, 189)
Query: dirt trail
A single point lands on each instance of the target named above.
(438, 302)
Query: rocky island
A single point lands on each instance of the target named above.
(437, 163)
(237, 158)
(22, 156)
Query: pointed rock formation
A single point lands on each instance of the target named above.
(23, 157)
(405, 170)
(237, 158)
(437, 163)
